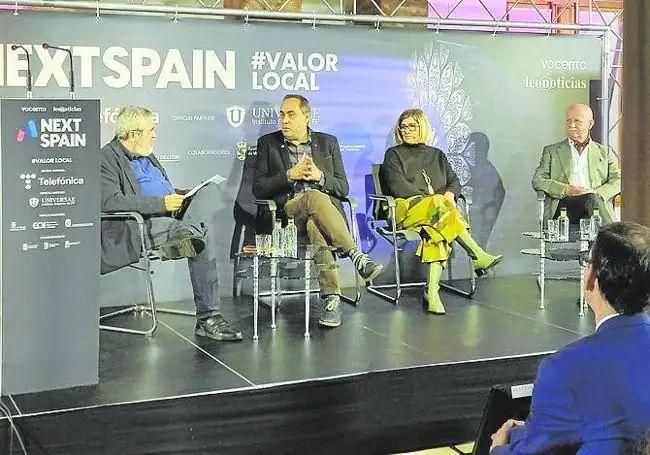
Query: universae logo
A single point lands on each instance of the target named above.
(29, 130)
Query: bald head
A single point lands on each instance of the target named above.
(579, 121)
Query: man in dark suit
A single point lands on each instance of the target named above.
(596, 392)
(303, 172)
(132, 179)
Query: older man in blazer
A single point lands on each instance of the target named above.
(132, 179)
(303, 172)
(595, 393)
(578, 173)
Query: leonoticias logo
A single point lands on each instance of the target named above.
(435, 86)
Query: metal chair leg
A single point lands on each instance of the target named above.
(137, 308)
(235, 278)
(375, 289)
(150, 308)
(467, 293)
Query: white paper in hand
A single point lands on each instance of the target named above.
(214, 179)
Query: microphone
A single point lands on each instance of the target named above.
(49, 46)
(29, 69)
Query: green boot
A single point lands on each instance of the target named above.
(431, 296)
(483, 261)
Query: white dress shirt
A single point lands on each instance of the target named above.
(606, 318)
(580, 166)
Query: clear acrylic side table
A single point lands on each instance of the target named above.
(275, 291)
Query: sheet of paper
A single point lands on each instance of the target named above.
(215, 178)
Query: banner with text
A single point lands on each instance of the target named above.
(215, 86)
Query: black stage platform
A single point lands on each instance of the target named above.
(390, 379)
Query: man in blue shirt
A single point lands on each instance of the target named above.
(132, 179)
(595, 393)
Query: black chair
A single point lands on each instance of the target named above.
(244, 212)
(385, 224)
(146, 257)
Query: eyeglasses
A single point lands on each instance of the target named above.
(411, 127)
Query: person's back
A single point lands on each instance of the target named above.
(609, 373)
(596, 392)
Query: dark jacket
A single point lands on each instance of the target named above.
(273, 162)
(121, 192)
(401, 172)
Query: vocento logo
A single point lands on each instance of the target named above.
(29, 130)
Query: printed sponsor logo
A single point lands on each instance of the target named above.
(204, 152)
(30, 130)
(235, 115)
(108, 115)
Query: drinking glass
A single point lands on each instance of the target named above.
(263, 243)
(586, 229)
(552, 231)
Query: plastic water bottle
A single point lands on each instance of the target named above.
(291, 239)
(277, 240)
(563, 226)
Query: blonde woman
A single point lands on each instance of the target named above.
(426, 188)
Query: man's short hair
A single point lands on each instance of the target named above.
(305, 107)
(131, 118)
(620, 258)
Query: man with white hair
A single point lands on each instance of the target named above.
(578, 173)
(132, 179)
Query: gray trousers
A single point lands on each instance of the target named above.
(204, 273)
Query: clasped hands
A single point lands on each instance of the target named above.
(305, 169)
(573, 190)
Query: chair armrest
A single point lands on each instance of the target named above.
(137, 216)
(463, 204)
(131, 215)
(347, 200)
(270, 203)
(541, 198)
(466, 200)
(382, 198)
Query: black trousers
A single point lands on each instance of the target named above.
(579, 207)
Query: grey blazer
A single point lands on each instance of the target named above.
(553, 174)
